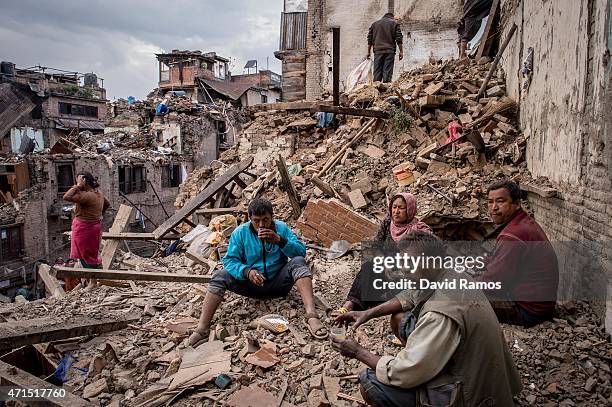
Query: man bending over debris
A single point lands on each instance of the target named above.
(523, 261)
(455, 352)
(257, 266)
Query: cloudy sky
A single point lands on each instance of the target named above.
(117, 39)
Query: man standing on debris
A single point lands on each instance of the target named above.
(383, 36)
(523, 261)
(257, 265)
(455, 352)
(474, 11)
(87, 222)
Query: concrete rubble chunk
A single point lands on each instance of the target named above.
(357, 199)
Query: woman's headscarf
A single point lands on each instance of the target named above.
(412, 223)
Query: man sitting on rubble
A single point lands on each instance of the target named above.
(257, 265)
(523, 261)
(455, 352)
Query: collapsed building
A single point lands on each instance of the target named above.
(330, 181)
(306, 40)
(205, 77)
(55, 125)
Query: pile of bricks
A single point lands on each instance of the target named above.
(324, 221)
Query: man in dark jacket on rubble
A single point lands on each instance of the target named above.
(383, 36)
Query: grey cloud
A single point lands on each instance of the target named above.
(118, 39)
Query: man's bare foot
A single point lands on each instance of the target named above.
(198, 336)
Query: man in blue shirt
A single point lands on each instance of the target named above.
(264, 260)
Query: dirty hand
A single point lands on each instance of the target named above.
(401, 56)
(255, 277)
(347, 347)
(268, 235)
(358, 317)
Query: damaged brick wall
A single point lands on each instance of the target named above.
(42, 216)
(565, 110)
(327, 220)
(264, 143)
(430, 30)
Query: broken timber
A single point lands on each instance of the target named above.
(203, 197)
(14, 334)
(119, 224)
(51, 283)
(218, 211)
(133, 236)
(130, 275)
(289, 188)
(283, 106)
(351, 111)
(11, 376)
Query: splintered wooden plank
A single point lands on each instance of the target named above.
(208, 193)
(487, 39)
(110, 246)
(351, 111)
(218, 211)
(289, 188)
(11, 376)
(130, 275)
(283, 106)
(14, 334)
(133, 236)
(51, 283)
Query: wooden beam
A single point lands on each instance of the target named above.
(204, 196)
(110, 247)
(351, 111)
(324, 186)
(51, 283)
(14, 334)
(218, 211)
(133, 236)
(11, 376)
(130, 275)
(283, 106)
(487, 39)
(483, 88)
(332, 161)
(289, 188)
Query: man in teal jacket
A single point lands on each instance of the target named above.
(264, 260)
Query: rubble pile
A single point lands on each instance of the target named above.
(563, 362)
(449, 180)
(8, 214)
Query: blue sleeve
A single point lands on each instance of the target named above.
(233, 261)
(293, 247)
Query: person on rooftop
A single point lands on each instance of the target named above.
(264, 260)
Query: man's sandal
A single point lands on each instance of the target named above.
(313, 332)
(198, 337)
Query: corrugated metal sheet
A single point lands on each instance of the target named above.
(293, 31)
